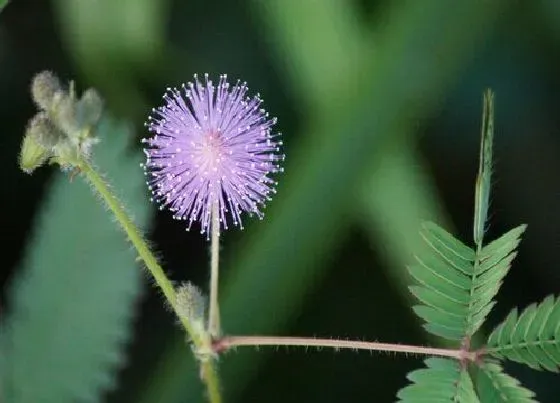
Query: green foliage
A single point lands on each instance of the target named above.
(72, 305)
(493, 385)
(443, 381)
(456, 284)
(532, 338)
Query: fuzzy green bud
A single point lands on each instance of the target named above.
(32, 154)
(66, 117)
(41, 128)
(191, 304)
(44, 87)
(89, 108)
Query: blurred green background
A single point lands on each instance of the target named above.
(379, 103)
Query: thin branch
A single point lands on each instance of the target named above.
(229, 342)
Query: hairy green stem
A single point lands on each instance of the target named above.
(208, 371)
(255, 341)
(133, 234)
(214, 309)
(210, 377)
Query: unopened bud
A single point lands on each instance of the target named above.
(191, 303)
(32, 154)
(43, 89)
(89, 108)
(66, 117)
(43, 130)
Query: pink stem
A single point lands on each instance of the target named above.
(228, 342)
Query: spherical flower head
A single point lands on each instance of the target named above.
(212, 149)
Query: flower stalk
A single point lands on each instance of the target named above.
(214, 308)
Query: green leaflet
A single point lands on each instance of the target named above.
(455, 285)
(483, 179)
(3, 3)
(493, 385)
(72, 304)
(443, 381)
(531, 338)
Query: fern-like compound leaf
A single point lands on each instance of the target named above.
(443, 381)
(72, 303)
(493, 385)
(531, 338)
(456, 285)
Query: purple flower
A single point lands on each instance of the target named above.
(212, 147)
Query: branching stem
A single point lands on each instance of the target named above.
(208, 370)
(228, 342)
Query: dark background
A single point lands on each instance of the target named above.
(379, 103)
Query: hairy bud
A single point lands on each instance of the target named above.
(191, 303)
(64, 128)
(89, 108)
(32, 154)
(44, 87)
(66, 117)
(43, 130)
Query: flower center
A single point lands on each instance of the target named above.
(211, 152)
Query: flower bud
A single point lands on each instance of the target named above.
(89, 108)
(43, 89)
(66, 117)
(191, 304)
(32, 154)
(41, 128)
